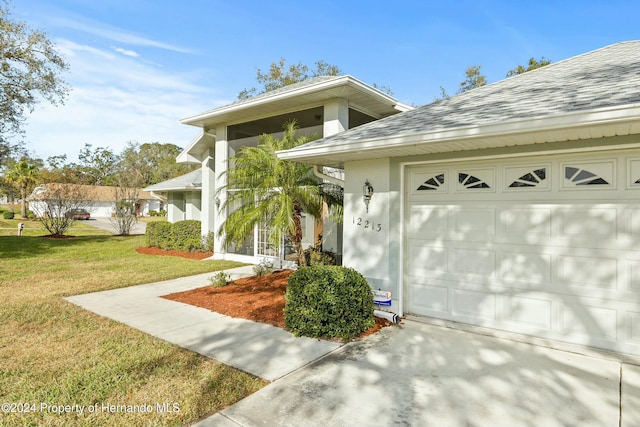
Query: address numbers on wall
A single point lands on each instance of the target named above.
(367, 224)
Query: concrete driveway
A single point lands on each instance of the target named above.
(424, 375)
(105, 224)
(412, 374)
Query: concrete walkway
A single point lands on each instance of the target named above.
(413, 374)
(259, 349)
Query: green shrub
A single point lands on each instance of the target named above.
(8, 214)
(220, 279)
(180, 236)
(153, 212)
(264, 268)
(208, 241)
(162, 212)
(187, 235)
(316, 256)
(328, 302)
(159, 235)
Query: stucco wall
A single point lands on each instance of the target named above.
(369, 243)
(175, 207)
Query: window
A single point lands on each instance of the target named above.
(265, 247)
(470, 181)
(432, 183)
(531, 179)
(583, 177)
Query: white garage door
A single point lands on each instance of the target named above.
(542, 246)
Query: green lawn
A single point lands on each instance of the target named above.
(9, 227)
(54, 353)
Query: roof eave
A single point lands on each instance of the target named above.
(611, 121)
(177, 188)
(208, 118)
(192, 154)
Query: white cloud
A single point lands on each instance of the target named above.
(115, 34)
(116, 99)
(126, 52)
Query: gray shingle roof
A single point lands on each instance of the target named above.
(606, 77)
(189, 181)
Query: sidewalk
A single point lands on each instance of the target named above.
(259, 349)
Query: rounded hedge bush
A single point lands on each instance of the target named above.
(179, 236)
(187, 235)
(160, 235)
(324, 301)
(8, 214)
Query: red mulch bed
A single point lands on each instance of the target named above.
(260, 299)
(182, 254)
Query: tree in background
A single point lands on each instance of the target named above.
(23, 174)
(98, 166)
(280, 75)
(153, 162)
(474, 79)
(125, 191)
(533, 64)
(58, 170)
(264, 189)
(30, 69)
(53, 202)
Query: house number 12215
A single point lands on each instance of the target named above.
(368, 224)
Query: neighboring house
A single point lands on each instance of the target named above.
(182, 196)
(514, 206)
(100, 200)
(321, 106)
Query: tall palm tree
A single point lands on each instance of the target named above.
(273, 192)
(24, 174)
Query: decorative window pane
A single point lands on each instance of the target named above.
(470, 181)
(265, 247)
(583, 177)
(432, 183)
(531, 179)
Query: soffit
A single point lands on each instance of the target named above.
(359, 96)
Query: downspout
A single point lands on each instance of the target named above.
(391, 317)
(331, 179)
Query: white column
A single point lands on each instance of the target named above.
(336, 120)
(221, 164)
(208, 192)
(336, 117)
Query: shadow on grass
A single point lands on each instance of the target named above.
(14, 247)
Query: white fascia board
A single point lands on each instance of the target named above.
(187, 158)
(346, 80)
(187, 155)
(177, 188)
(376, 93)
(592, 118)
(403, 107)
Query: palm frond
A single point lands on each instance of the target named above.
(263, 189)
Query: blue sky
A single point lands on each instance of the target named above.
(138, 66)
